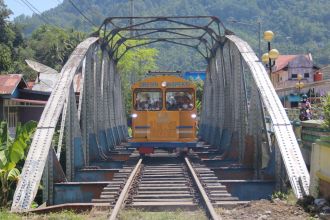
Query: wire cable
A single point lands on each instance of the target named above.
(82, 14)
(41, 17)
(35, 10)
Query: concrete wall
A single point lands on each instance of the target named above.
(312, 130)
(320, 169)
(316, 152)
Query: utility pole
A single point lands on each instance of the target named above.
(259, 36)
(132, 15)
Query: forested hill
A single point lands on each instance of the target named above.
(301, 26)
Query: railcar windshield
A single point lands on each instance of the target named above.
(180, 99)
(148, 100)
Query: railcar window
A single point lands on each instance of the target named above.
(180, 100)
(146, 100)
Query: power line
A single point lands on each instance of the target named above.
(82, 14)
(35, 10)
(32, 6)
(42, 18)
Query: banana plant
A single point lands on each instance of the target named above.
(12, 151)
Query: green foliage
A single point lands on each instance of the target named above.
(67, 215)
(5, 58)
(300, 26)
(279, 195)
(49, 45)
(11, 152)
(326, 111)
(133, 66)
(199, 93)
(52, 46)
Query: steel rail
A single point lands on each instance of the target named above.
(201, 190)
(124, 192)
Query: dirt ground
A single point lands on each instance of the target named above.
(264, 209)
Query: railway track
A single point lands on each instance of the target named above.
(166, 183)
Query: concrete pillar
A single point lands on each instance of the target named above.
(315, 166)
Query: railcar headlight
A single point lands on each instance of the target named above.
(134, 115)
(193, 116)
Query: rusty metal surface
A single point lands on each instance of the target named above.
(124, 192)
(202, 191)
(8, 83)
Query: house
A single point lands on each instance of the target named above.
(21, 102)
(17, 103)
(288, 67)
(285, 76)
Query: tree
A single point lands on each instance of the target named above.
(11, 152)
(52, 45)
(199, 83)
(5, 58)
(326, 111)
(4, 13)
(133, 66)
(6, 36)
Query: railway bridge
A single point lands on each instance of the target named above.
(242, 116)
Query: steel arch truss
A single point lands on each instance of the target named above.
(85, 112)
(238, 95)
(181, 30)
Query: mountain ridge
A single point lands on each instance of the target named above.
(299, 26)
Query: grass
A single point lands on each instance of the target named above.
(65, 215)
(6, 215)
(291, 198)
(134, 214)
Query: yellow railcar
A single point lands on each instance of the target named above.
(164, 114)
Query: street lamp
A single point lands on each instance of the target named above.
(299, 84)
(270, 57)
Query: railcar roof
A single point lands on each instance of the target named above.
(171, 82)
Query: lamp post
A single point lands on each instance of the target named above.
(299, 84)
(131, 15)
(270, 57)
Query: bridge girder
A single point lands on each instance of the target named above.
(237, 96)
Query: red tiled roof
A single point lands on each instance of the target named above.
(8, 83)
(283, 60)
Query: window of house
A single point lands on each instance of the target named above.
(294, 76)
(306, 75)
(11, 113)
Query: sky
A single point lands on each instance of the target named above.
(18, 7)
